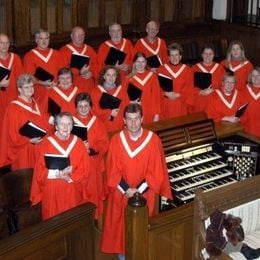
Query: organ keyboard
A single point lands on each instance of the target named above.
(197, 159)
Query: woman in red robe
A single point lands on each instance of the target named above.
(60, 189)
(96, 143)
(237, 62)
(109, 88)
(17, 149)
(145, 80)
(211, 68)
(64, 93)
(251, 120)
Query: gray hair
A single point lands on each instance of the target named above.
(25, 79)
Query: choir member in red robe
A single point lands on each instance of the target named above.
(135, 163)
(84, 76)
(60, 189)
(64, 93)
(147, 82)
(180, 99)
(251, 120)
(225, 102)
(17, 149)
(109, 83)
(207, 65)
(152, 44)
(44, 57)
(96, 144)
(118, 42)
(237, 62)
(13, 63)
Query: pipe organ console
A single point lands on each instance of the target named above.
(197, 159)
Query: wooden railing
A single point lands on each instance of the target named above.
(69, 235)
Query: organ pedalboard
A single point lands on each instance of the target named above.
(197, 159)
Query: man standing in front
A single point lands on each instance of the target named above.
(135, 163)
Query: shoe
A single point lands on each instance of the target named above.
(249, 252)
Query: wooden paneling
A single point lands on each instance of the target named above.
(59, 16)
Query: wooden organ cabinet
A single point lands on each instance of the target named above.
(197, 158)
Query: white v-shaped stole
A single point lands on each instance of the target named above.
(118, 89)
(88, 125)
(28, 108)
(45, 59)
(59, 148)
(252, 93)
(143, 82)
(112, 45)
(10, 62)
(154, 52)
(75, 51)
(139, 148)
(239, 66)
(177, 74)
(61, 94)
(229, 105)
(203, 69)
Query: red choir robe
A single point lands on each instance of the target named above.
(182, 84)
(15, 148)
(13, 63)
(57, 195)
(151, 97)
(97, 138)
(217, 72)
(251, 120)
(241, 71)
(221, 105)
(135, 162)
(104, 114)
(50, 60)
(65, 98)
(158, 47)
(66, 52)
(124, 45)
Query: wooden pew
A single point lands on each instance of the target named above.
(69, 235)
(16, 211)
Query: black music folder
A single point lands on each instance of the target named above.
(78, 61)
(31, 130)
(56, 161)
(53, 107)
(154, 61)
(241, 110)
(134, 93)
(4, 72)
(43, 75)
(109, 102)
(166, 83)
(202, 80)
(115, 56)
(80, 131)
